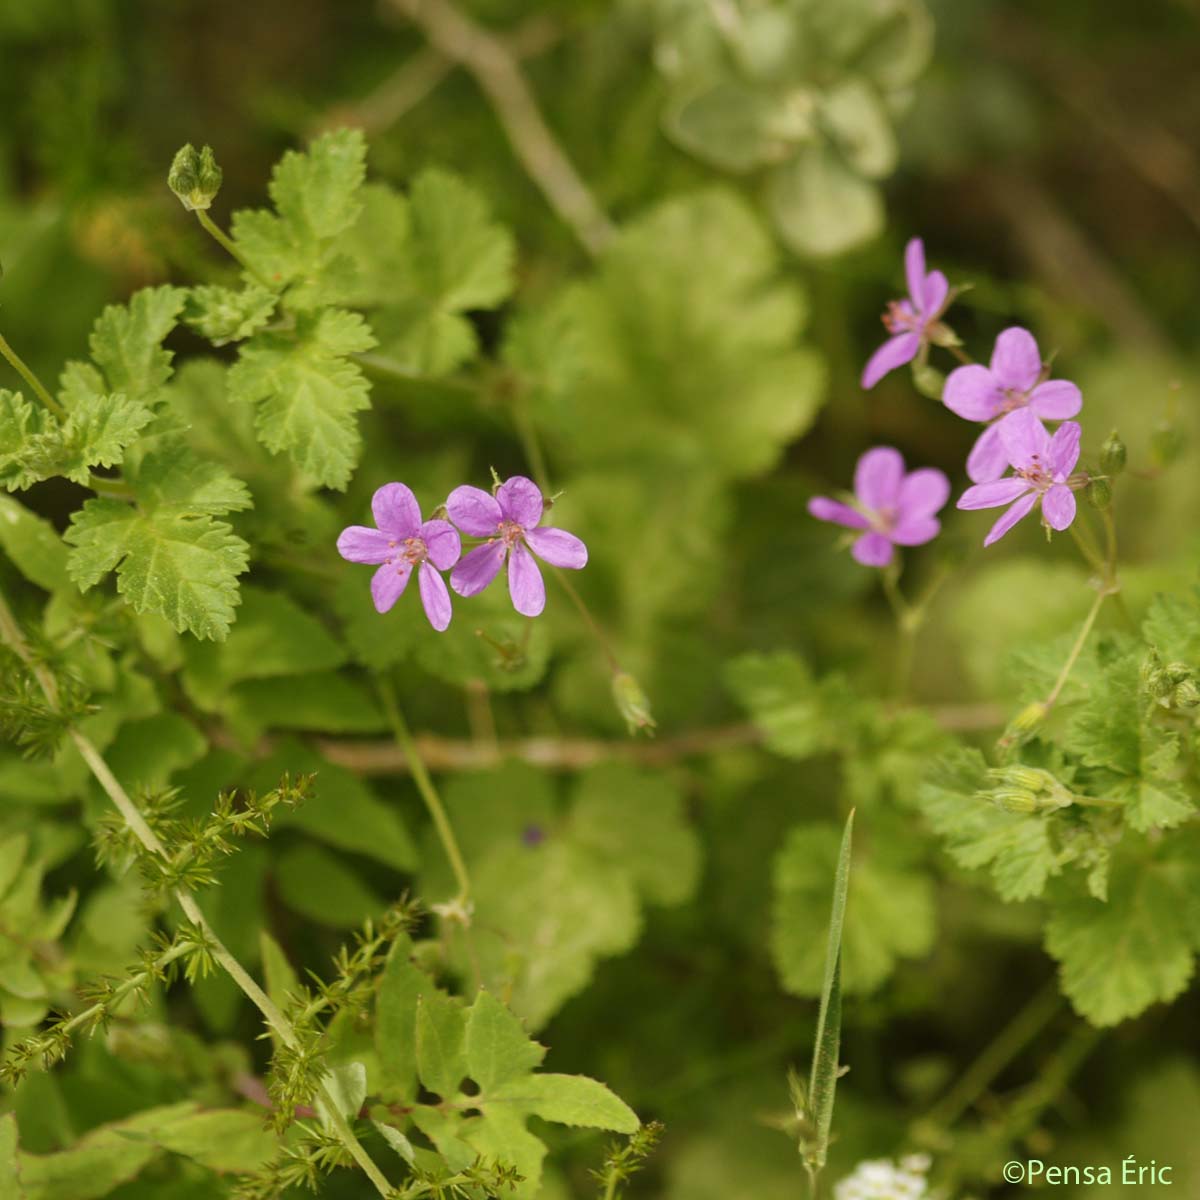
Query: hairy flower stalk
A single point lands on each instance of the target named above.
(11, 635)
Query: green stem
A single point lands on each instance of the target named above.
(1076, 649)
(530, 443)
(18, 364)
(10, 633)
(429, 795)
(115, 489)
(908, 622)
(1011, 1040)
(230, 246)
(593, 625)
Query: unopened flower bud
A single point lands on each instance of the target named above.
(1186, 694)
(632, 703)
(1099, 492)
(1112, 454)
(195, 177)
(1023, 726)
(1166, 444)
(929, 381)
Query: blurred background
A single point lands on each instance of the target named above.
(1046, 152)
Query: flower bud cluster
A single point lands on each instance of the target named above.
(1022, 789)
(1173, 685)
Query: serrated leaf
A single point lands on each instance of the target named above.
(441, 1044)
(223, 315)
(401, 988)
(316, 198)
(182, 567)
(783, 698)
(126, 342)
(1136, 949)
(21, 425)
(568, 1100)
(306, 392)
(1172, 627)
(1018, 848)
(498, 1048)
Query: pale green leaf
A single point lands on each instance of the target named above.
(441, 1050)
(126, 342)
(306, 392)
(567, 1100)
(346, 1087)
(498, 1048)
(223, 315)
(33, 545)
(821, 206)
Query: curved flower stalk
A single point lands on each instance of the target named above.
(890, 506)
(914, 322)
(1015, 381)
(1042, 467)
(511, 522)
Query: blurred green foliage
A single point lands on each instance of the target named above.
(656, 916)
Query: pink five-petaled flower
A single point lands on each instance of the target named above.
(909, 321)
(509, 521)
(402, 542)
(1012, 383)
(891, 507)
(1042, 466)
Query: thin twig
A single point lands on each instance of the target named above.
(576, 754)
(18, 364)
(10, 633)
(495, 69)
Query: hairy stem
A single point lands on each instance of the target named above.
(10, 633)
(1076, 649)
(429, 794)
(18, 364)
(593, 625)
(229, 245)
(114, 489)
(495, 69)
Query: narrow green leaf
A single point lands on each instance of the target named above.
(441, 1031)
(822, 1082)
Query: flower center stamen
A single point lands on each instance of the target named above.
(510, 532)
(899, 318)
(414, 550)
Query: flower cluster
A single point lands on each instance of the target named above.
(1012, 397)
(507, 524)
(882, 1179)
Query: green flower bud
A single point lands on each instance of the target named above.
(1112, 454)
(632, 704)
(929, 381)
(1166, 445)
(1186, 694)
(1023, 726)
(1099, 492)
(195, 177)
(1013, 800)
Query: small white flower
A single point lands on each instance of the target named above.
(882, 1179)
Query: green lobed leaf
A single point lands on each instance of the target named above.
(223, 315)
(498, 1048)
(306, 391)
(126, 342)
(567, 1100)
(442, 1062)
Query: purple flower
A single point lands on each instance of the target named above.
(1043, 466)
(910, 320)
(891, 507)
(1012, 383)
(400, 543)
(509, 521)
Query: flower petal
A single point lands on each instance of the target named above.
(878, 476)
(558, 547)
(1025, 438)
(971, 392)
(477, 569)
(1064, 449)
(525, 584)
(937, 288)
(872, 550)
(1020, 509)
(388, 584)
(923, 493)
(915, 531)
(396, 510)
(359, 544)
(993, 493)
(434, 597)
(1056, 400)
(914, 269)
(1016, 360)
(520, 500)
(895, 352)
(474, 511)
(1058, 507)
(988, 459)
(825, 509)
(442, 542)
